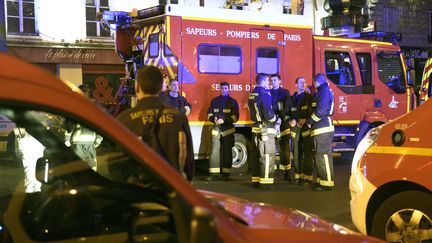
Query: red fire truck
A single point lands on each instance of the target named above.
(202, 47)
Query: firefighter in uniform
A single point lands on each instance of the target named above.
(280, 99)
(322, 132)
(162, 127)
(263, 151)
(223, 112)
(173, 97)
(302, 143)
(83, 140)
(28, 150)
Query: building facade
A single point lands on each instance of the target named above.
(412, 19)
(65, 37)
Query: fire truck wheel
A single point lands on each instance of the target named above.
(240, 163)
(404, 217)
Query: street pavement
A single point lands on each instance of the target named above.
(332, 206)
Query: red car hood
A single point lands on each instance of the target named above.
(263, 215)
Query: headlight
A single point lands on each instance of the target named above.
(398, 138)
(364, 145)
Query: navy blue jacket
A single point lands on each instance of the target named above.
(280, 97)
(301, 106)
(323, 105)
(165, 129)
(260, 107)
(224, 107)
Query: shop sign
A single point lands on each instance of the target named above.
(57, 55)
(67, 55)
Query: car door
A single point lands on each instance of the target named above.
(390, 88)
(70, 183)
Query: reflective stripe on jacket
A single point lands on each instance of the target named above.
(260, 107)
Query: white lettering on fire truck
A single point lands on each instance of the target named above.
(248, 87)
(232, 87)
(242, 34)
(291, 37)
(201, 31)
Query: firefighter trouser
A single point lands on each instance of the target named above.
(262, 158)
(284, 149)
(221, 155)
(29, 151)
(302, 152)
(87, 152)
(324, 158)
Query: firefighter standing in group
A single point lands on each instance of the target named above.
(162, 127)
(322, 132)
(173, 97)
(263, 151)
(302, 143)
(280, 99)
(223, 112)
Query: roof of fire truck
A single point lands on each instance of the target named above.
(237, 16)
(214, 15)
(157, 14)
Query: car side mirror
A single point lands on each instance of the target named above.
(203, 226)
(410, 77)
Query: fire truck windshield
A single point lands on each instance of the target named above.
(390, 71)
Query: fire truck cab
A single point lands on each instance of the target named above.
(201, 47)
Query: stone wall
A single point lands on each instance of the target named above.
(410, 17)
